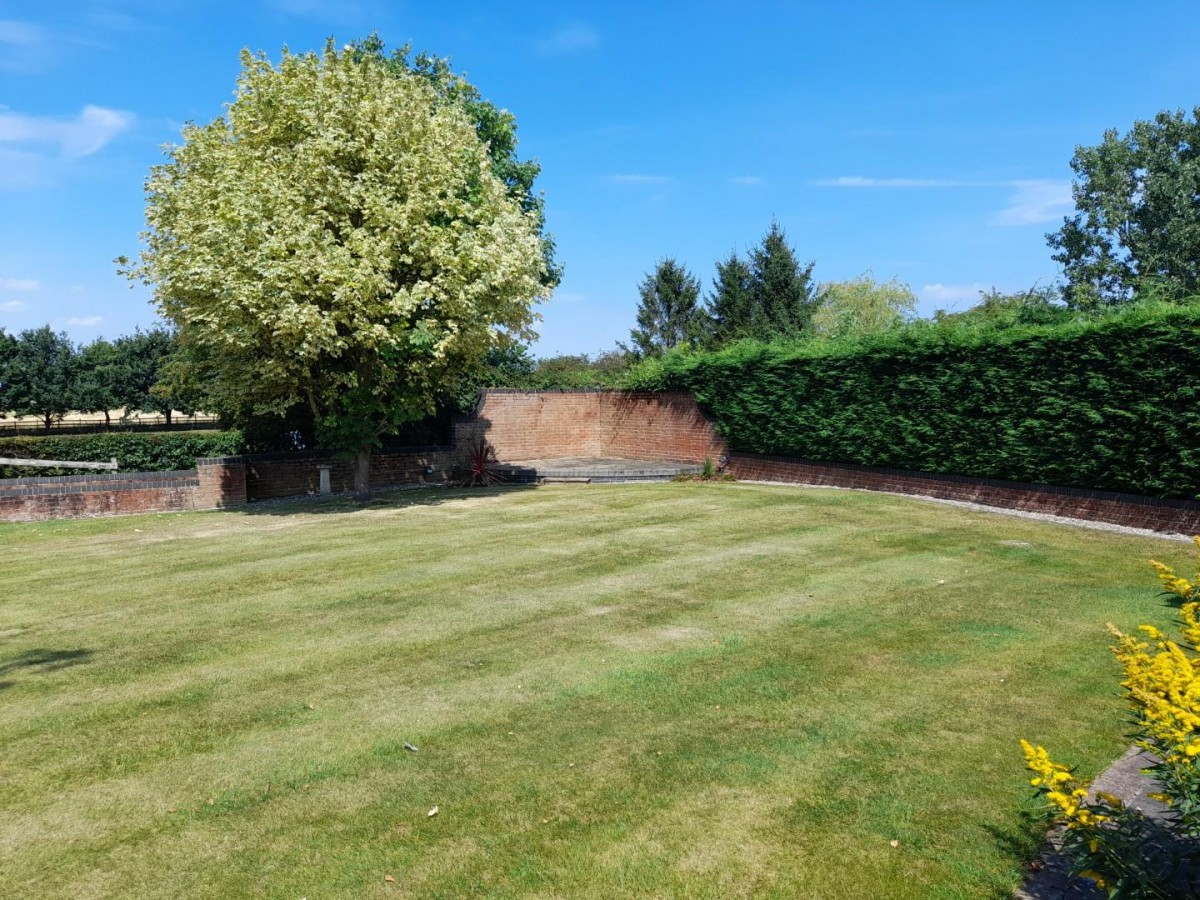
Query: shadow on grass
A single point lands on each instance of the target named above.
(1051, 878)
(41, 661)
(394, 498)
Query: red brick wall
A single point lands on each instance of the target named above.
(1177, 516)
(75, 496)
(289, 474)
(545, 425)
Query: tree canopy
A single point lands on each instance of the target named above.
(667, 313)
(39, 375)
(1138, 221)
(861, 306)
(768, 296)
(340, 239)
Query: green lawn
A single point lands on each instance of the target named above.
(675, 690)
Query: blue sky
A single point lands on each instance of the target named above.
(926, 141)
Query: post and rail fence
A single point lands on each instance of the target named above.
(110, 466)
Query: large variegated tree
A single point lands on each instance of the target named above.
(339, 238)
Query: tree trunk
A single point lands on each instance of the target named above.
(362, 474)
(168, 415)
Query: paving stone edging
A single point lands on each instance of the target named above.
(1124, 779)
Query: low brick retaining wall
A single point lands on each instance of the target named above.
(76, 496)
(1132, 510)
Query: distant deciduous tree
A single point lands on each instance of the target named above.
(99, 379)
(40, 375)
(667, 314)
(1138, 219)
(861, 306)
(8, 348)
(1000, 309)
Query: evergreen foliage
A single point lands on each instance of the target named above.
(667, 312)
(768, 296)
(1111, 403)
(731, 303)
(784, 296)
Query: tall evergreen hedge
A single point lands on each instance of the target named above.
(1111, 404)
(161, 452)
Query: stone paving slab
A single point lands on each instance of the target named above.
(595, 469)
(1124, 779)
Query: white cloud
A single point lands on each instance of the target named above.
(84, 321)
(1033, 201)
(83, 135)
(18, 284)
(944, 295)
(1036, 202)
(640, 179)
(570, 39)
(20, 34)
(22, 46)
(748, 181)
(11, 306)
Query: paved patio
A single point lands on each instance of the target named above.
(591, 470)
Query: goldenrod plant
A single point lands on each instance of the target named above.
(1120, 848)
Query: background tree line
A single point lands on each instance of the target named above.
(44, 374)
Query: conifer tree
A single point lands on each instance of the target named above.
(667, 314)
(731, 304)
(783, 294)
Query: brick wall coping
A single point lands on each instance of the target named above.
(131, 481)
(66, 481)
(304, 455)
(1086, 493)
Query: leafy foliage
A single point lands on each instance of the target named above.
(134, 452)
(1138, 219)
(495, 127)
(861, 306)
(996, 309)
(338, 240)
(39, 375)
(1110, 403)
(667, 313)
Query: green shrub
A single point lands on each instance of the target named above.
(134, 452)
(1106, 404)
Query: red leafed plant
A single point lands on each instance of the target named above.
(482, 465)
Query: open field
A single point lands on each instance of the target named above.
(698, 690)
